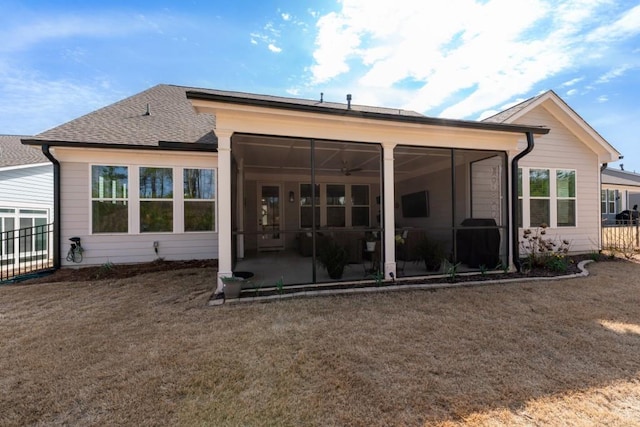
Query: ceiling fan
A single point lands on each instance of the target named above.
(346, 170)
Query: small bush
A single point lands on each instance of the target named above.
(544, 252)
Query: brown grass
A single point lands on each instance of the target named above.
(148, 351)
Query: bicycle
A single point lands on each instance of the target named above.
(75, 251)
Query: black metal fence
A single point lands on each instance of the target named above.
(25, 251)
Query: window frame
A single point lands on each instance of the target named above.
(126, 199)
(524, 197)
(322, 205)
(213, 199)
(609, 199)
(134, 200)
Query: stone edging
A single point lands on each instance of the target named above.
(327, 292)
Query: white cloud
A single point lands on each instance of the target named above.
(603, 98)
(627, 25)
(471, 55)
(571, 92)
(273, 48)
(285, 16)
(32, 32)
(572, 82)
(612, 74)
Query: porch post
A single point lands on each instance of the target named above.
(225, 258)
(389, 211)
(240, 210)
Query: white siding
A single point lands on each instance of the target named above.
(486, 191)
(561, 149)
(27, 187)
(132, 247)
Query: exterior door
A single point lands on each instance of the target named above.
(269, 217)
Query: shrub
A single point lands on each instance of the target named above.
(544, 252)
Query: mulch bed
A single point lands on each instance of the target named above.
(117, 271)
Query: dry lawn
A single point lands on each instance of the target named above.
(148, 351)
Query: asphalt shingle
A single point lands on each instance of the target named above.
(171, 118)
(14, 153)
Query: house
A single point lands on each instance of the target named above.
(26, 185)
(26, 199)
(620, 192)
(559, 181)
(265, 183)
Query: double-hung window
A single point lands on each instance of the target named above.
(199, 199)
(608, 199)
(337, 205)
(156, 200)
(546, 196)
(168, 199)
(109, 199)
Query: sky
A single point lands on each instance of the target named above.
(462, 59)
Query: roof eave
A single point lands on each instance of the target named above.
(433, 121)
(162, 145)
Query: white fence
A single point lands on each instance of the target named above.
(621, 237)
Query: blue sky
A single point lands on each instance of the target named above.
(456, 59)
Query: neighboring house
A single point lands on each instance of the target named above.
(620, 192)
(26, 198)
(258, 182)
(26, 185)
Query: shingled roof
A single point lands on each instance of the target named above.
(14, 153)
(161, 113)
(319, 104)
(164, 114)
(504, 115)
(619, 177)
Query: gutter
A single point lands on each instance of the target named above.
(514, 201)
(56, 206)
(344, 112)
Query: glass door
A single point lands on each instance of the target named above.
(269, 217)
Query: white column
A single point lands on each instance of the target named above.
(389, 211)
(240, 210)
(225, 259)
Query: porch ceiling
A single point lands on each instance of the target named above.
(271, 154)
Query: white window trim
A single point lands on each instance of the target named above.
(553, 197)
(615, 201)
(133, 199)
(322, 221)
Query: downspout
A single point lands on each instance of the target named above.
(56, 206)
(514, 201)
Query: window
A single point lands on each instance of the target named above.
(336, 212)
(305, 205)
(608, 200)
(539, 201)
(109, 199)
(156, 200)
(337, 205)
(360, 206)
(168, 199)
(546, 196)
(566, 197)
(7, 226)
(199, 200)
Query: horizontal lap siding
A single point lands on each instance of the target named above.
(27, 187)
(121, 248)
(561, 149)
